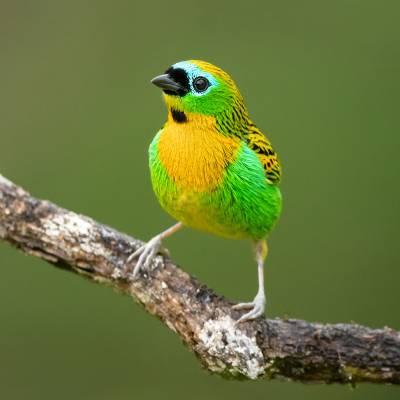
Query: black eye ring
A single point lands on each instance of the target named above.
(201, 84)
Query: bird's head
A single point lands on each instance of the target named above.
(199, 87)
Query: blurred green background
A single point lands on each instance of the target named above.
(77, 113)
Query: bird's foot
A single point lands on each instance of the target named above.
(257, 308)
(147, 255)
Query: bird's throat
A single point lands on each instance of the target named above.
(194, 154)
(178, 116)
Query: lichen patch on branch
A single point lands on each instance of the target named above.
(5, 181)
(231, 349)
(70, 223)
(76, 230)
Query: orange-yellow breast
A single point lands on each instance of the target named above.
(195, 154)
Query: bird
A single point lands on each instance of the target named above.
(211, 168)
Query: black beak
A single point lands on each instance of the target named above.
(169, 85)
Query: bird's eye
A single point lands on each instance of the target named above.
(201, 84)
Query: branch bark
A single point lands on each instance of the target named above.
(289, 348)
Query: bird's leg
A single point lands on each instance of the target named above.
(149, 250)
(257, 306)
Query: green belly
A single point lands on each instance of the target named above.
(244, 205)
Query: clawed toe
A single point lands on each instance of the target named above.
(257, 308)
(135, 254)
(253, 314)
(243, 306)
(146, 254)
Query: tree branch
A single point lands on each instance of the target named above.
(293, 349)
